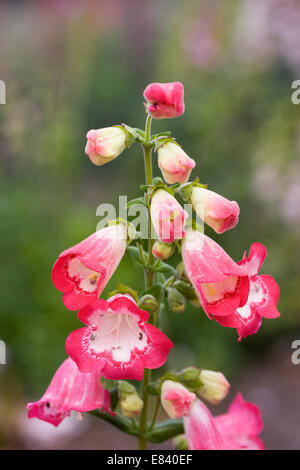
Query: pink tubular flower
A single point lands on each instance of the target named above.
(164, 100)
(262, 300)
(219, 213)
(70, 390)
(118, 341)
(221, 284)
(235, 430)
(176, 399)
(82, 272)
(174, 163)
(103, 145)
(168, 217)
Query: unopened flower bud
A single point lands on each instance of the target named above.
(176, 399)
(103, 145)
(162, 250)
(164, 100)
(215, 386)
(174, 163)
(131, 406)
(168, 217)
(218, 212)
(130, 402)
(148, 302)
(180, 442)
(176, 300)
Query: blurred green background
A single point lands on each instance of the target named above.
(74, 65)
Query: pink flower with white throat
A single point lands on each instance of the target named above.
(238, 429)
(70, 390)
(221, 284)
(176, 399)
(118, 341)
(103, 145)
(164, 100)
(167, 216)
(174, 163)
(82, 272)
(219, 213)
(262, 300)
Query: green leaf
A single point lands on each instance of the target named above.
(123, 424)
(165, 268)
(137, 201)
(165, 430)
(135, 256)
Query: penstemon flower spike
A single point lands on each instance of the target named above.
(121, 339)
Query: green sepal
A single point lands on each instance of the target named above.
(160, 141)
(161, 134)
(131, 134)
(114, 397)
(185, 190)
(123, 289)
(153, 389)
(159, 185)
(155, 290)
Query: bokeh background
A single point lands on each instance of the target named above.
(74, 65)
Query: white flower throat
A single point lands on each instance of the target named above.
(119, 333)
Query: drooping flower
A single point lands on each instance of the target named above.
(262, 300)
(221, 284)
(176, 399)
(103, 145)
(82, 272)
(215, 386)
(237, 429)
(70, 390)
(219, 213)
(118, 341)
(168, 217)
(165, 100)
(174, 163)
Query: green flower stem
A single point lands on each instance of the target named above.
(159, 433)
(149, 279)
(156, 410)
(123, 424)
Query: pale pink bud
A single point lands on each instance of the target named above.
(103, 145)
(165, 100)
(175, 164)
(168, 217)
(176, 399)
(162, 250)
(215, 386)
(219, 213)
